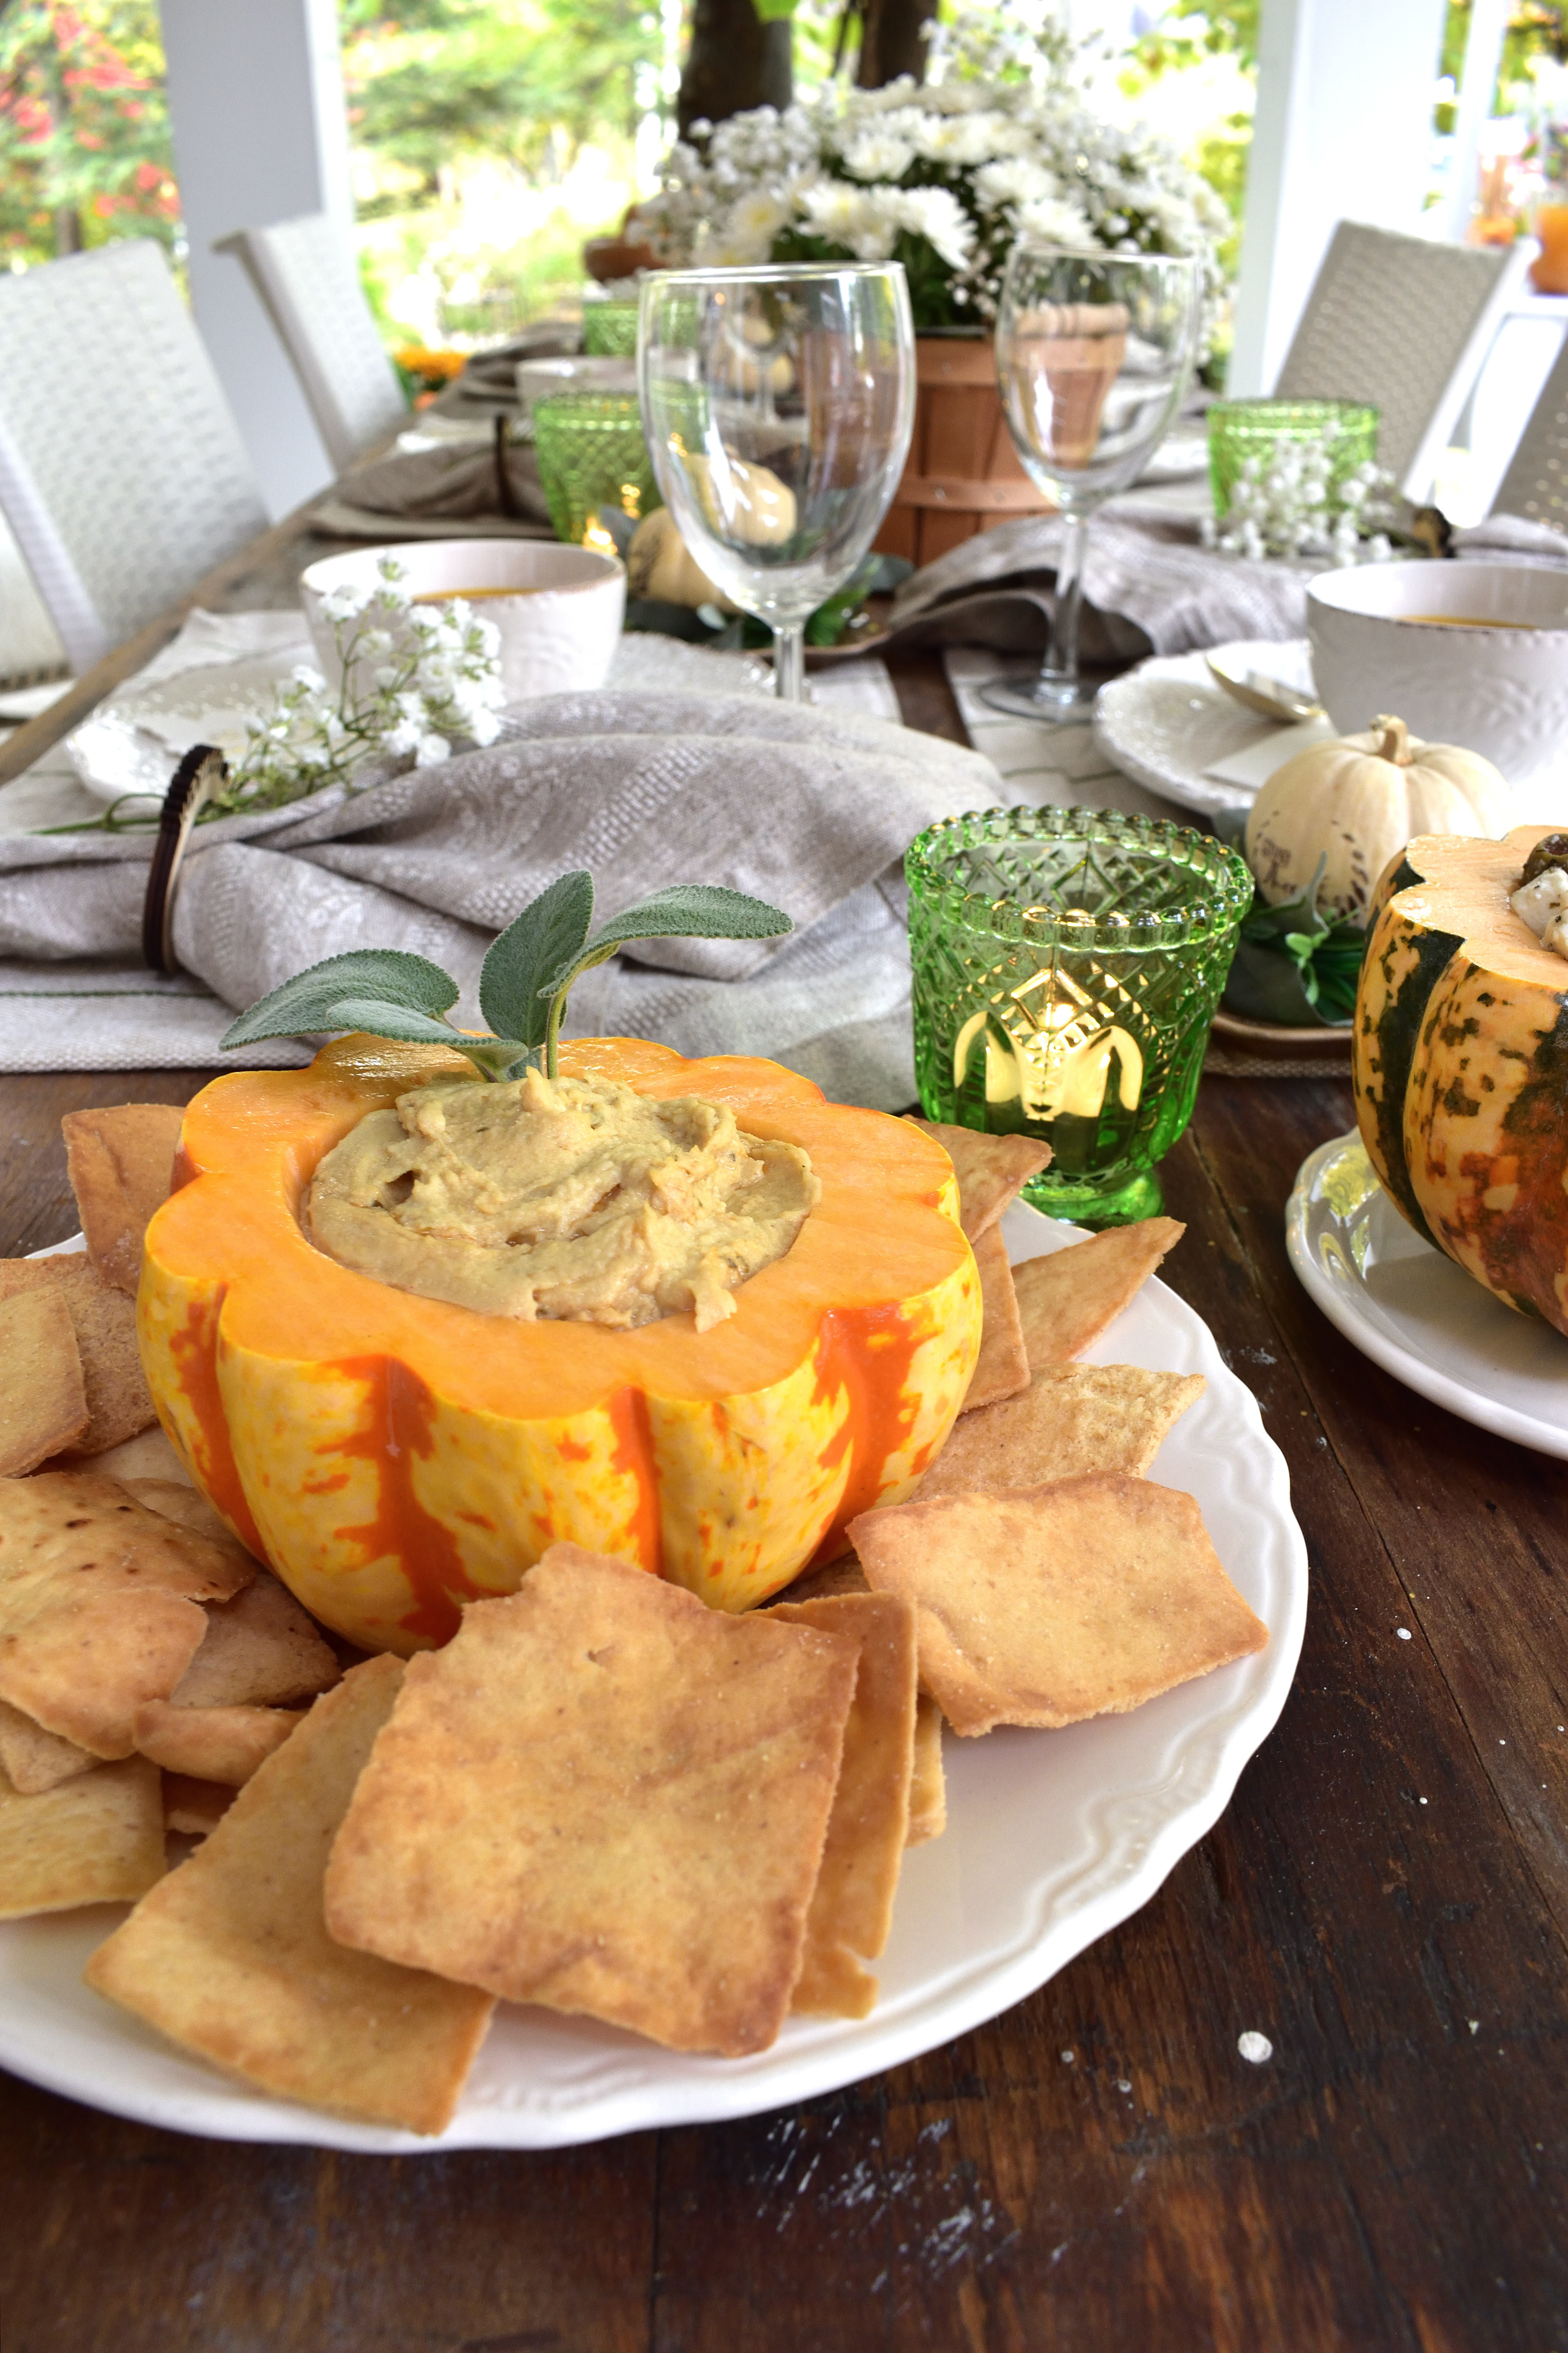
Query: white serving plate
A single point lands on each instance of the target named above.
(1166, 722)
(1417, 1314)
(1053, 1838)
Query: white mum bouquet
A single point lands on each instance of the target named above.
(943, 176)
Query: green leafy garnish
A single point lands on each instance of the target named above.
(1296, 964)
(523, 984)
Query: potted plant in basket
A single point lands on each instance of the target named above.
(943, 176)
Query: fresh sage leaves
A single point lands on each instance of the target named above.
(523, 985)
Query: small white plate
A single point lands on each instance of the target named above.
(135, 741)
(1053, 1838)
(1166, 722)
(1417, 1314)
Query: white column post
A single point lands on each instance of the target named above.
(1343, 131)
(256, 107)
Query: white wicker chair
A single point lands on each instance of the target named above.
(122, 471)
(1405, 325)
(305, 275)
(1536, 483)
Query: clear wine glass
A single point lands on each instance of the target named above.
(778, 404)
(1094, 353)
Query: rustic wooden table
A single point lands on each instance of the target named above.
(1385, 1899)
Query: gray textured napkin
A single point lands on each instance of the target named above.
(1148, 587)
(458, 482)
(810, 810)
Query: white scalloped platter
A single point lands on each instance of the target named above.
(1053, 1838)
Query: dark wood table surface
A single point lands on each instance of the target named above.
(1385, 1899)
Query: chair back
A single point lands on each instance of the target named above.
(305, 274)
(121, 469)
(1405, 325)
(1536, 483)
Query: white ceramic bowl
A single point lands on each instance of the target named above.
(1497, 689)
(559, 609)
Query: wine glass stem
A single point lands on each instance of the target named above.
(1062, 655)
(789, 661)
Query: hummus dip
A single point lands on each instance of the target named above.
(571, 1199)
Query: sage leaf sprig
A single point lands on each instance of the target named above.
(524, 983)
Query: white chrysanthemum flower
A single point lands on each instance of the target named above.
(1052, 220)
(957, 139)
(876, 156)
(1017, 180)
(936, 214)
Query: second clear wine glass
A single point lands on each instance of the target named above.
(1094, 353)
(778, 404)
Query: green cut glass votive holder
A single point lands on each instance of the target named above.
(1067, 962)
(610, 330)
(1241, 430)
(591, 454)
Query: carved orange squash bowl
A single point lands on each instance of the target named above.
(393, 1457)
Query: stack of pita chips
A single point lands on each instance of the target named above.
(70, 1376)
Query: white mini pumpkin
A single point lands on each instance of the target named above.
(1357, 800)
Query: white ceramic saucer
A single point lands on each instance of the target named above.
(1417, 1314)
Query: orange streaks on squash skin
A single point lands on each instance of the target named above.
(397, 1431)
(634, 1459)
(716, 1459)
(193, 1348)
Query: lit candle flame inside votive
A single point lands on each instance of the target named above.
(1052, 1057)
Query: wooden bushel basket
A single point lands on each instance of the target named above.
(963, 474)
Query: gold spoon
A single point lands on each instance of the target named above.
(1270, 697)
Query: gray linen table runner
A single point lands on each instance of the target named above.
(810, 810)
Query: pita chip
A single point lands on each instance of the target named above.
(211, 1744)
(104, 1323)
(992, 1170)
(1071, 1419)
(605, 1796)
(120, 1164)
(928, 1782)
(852, 1904)
(1066, 1301)
(97, 1839)
(35, 1760)
(259, 1649)
(195, 1807)
(176, 1499)
(1057, 1603)
(99, 1604)
(1002, 1367)
(43, 1401)
(229, 1956)
(843, 1575)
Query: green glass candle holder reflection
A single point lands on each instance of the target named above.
(610, 330)
(591, 454)
(1242, 432)
(1067, 964)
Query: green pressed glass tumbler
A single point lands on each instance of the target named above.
(591, 454)
(1067, 968)
(1244, 431)
(610, 330)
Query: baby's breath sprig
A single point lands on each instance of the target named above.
(1289, 505)
(407, 690)
(414, 678)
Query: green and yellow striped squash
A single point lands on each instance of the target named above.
(1459, 1061)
